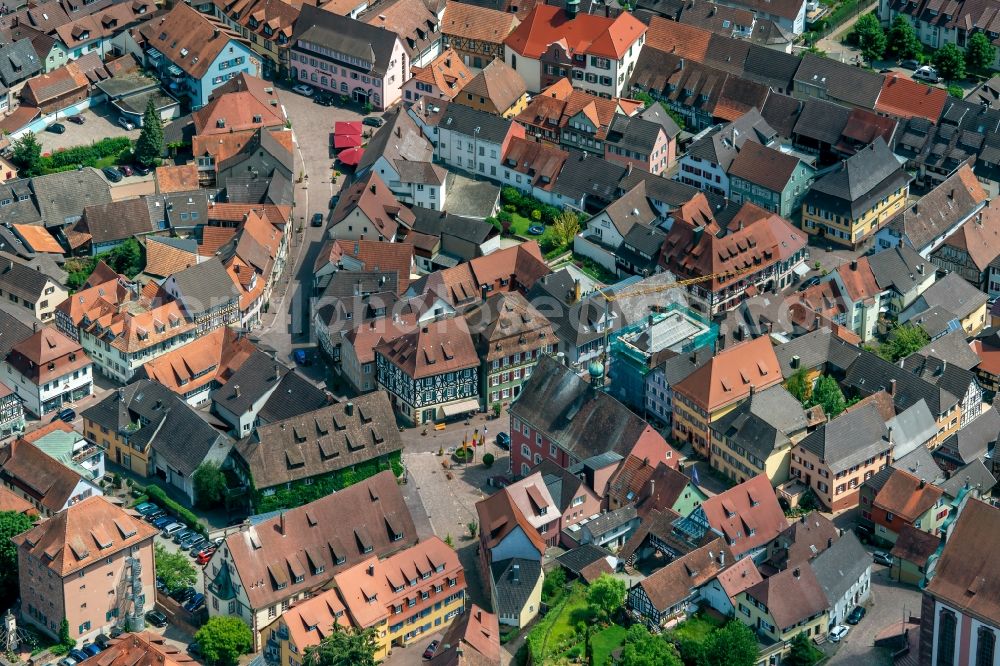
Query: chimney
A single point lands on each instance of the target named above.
(922, 484)
(372, 188)
(479, 616)
(854, 264)
(753, 389)
(349, 409)
(576, 291)
(796, 361)
(515, 574)
(236, 391)
(722, 558)
(371, 569)
(889, 434)
(796, 573)
(277, 372)
(215, 33)
(483, 291)
(920, 269)
(281, 524)
(829, 542)
(892, 387)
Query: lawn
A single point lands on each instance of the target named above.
(606, 641)
(519, 226)
(556, 631)
(696, 628)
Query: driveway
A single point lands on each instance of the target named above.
(890, 602)
(100, 122)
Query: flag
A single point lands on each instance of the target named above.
(694, 476)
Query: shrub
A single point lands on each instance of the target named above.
(157, 495)
(488, 460)
(87, 155)
(536, 215)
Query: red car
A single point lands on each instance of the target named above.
(205, 555)
(126, 169)
(431, 649)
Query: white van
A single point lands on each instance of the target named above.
(926, 73)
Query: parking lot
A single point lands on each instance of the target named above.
(99, 123)
(170, 546)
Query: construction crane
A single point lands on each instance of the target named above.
(598, 370)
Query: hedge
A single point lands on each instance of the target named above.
(61, 160)
(157, 495)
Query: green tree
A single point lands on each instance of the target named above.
(731, 645)
(799, 386)
(903, 39)
(555, 580)
(644, 649)
(566, 227)
(802, 653)
(979, 52)
(343, 647)
(175, 569)
(903, 341)
(605, 596)
(209, 485)
(12, 523)
(950, 63)
(488, 460)
(828, 394)
(26, 154)
(870, 37)
(223, 639)
(149, 147)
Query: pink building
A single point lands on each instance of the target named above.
(344, 56)
(647, 141)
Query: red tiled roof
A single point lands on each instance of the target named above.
(729, 375)
(584, 34)
(907, 496)
(750, 507)
(905, 98)
(686, 41)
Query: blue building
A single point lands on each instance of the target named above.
(194, 53)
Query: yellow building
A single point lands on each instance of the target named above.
(115, 440)
(718, 387)
(758, 435)
(417, 590)
(786, 604)
(302, 626)
(497, 89)
(853, 202)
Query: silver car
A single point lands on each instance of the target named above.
(171, 529)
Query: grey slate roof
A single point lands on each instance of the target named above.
(662, 190)
(465, 120)
(577, 559)
(568, 412)
(771, 67)
(721, 146)
(637, 133)
(116, 221)
(18, 62)
(61, 197)
(513, 587)
(840, 81)
(585, 175)
(870, 374)
(680, 366)
(865, 177)
(912, 428)
(899, 268)
(441, 223)
(346, 35)
(919, 462)
(764, 422)
(814, 349)
(610, 520)
(398, 139)
(205, 285)
(252, 381)
(295, 395)
(821, 120)
(950, 292)
(973, 475)
(952, 347)
(23, 281)
(849, 439)
(12, 331)
(971, 442)
(841, 566)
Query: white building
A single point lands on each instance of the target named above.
(47, 371)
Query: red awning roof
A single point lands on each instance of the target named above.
(347, 127)
(346, 140)
(351, 156)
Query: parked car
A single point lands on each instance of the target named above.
(333, 201)
(856, 615)
(183, 534)
(163, 521)
(431, 648)
(92, 649)
(66, 415)
(195, 603)
(324, 99)
(182, 595)
(145, 508)
(68, 661)
(154, 515)
(909, 64)
(142, 170)
(926, 73)
(536, 230)
(77, 120)
(317, 220)
(156, 618)
(112, 174)
(882, 557)
(864, 533)
(503, 441)
(126, 123)
(301, 358)
(171, 528)
(811, 282)
(79, 655)
(837, 633)
(205, 555)
(126, 170)
(103, 640)
(303, 89)
(197, 542)
(161, 585)
(373, 121)
(56, 128)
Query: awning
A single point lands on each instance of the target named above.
(346, 140)
(456, 408)
(347, 127)
(351, 156)
(174, 70)
(801, 269)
